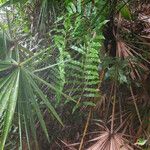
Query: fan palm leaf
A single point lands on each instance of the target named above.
(20, 96)
(108, 141)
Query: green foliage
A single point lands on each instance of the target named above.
(115, 71)
(21, 95)
(141, 142)
(77, 40)
(52, 62)
(4, 45)
(124, 10)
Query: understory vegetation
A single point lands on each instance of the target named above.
(74, 75)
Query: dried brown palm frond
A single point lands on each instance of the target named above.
(143, 96)
(124, 51)
(69, 146)
(108, 141)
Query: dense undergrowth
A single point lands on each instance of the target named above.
(74, 74)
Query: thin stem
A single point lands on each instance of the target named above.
(85, 129)
(136, 107)
(113, 109)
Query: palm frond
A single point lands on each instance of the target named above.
(20, 94)
(106, 141)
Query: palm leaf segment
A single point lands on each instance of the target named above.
(20, 96)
